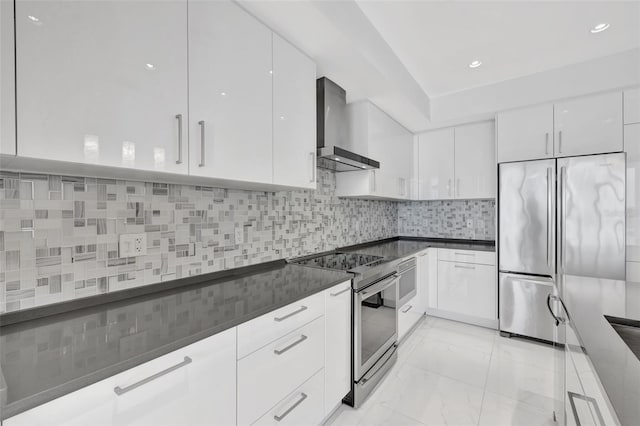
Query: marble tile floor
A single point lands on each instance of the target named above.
(450, 373)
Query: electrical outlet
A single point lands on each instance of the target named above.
(239, 235)
(133, 245)
(470, 223)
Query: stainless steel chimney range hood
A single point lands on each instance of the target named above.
(333, 131)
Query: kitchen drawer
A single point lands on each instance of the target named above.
(468, 256)
(468, 289)
(171, 390)
(274, 371)
(408, 315)
(260, 331)
(304, 406)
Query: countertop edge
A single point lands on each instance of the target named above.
(41, 398)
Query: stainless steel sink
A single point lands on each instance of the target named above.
(629, 332)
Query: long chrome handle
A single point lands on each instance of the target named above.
(296, 312)
(560, 142)
(288, 347)
(546, 143)
(303, 396)
(179, 118)
(463, 267)
(561, 222)
(375, 184)
(340, 292)
(407, 309)
(463, 254)
(312, 175)
(119, 391)
(202, 147)
(549, 218)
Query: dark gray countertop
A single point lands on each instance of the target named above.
(588, 300)
(402, 247)
(48, 357)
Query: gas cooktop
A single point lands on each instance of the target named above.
(342, 261)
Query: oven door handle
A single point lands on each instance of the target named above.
(380, 286)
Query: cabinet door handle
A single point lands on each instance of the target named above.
(340, 292)
(286, 348)
(546, 143)
(296, 312)
(560, 142)
(458, 186)
(202, 144)
(179, 118)
(449, 187)
(463, 254)
(312, 174)
(407, 309)
(303, 396)
(463, 267)
(374, 180)
(119, 391)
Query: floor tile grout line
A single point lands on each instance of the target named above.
(484, 391)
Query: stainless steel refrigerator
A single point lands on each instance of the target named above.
(556, 216)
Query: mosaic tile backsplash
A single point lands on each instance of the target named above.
(467, 219)
(59, 235)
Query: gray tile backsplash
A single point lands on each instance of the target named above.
(468, 219)
(59, 234)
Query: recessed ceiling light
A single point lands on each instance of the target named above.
(600, 28)
(475, 64)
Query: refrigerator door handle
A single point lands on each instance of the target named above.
(549, 217)
(561, 220)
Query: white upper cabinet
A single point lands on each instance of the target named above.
(230, 93)
(294, 116)
(475, 161)
(374, 134)
(103, 82)
(588, 125)
(436, 162)
(632, 106)
(525, 134)
(7, 81)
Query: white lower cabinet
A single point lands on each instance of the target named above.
(468, 289)
(304, 406)
(194, 385)
(424, 282)
(337, 371)
(408, 315)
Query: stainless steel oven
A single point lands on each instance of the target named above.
(375, 334)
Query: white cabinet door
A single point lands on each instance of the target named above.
(230, 93)
(589, 125)
(475, 161)
(422, 301)
(103, 82)
(180, 393)
(525, 134)
(337, 367)
(7, 80)
(294, 116)
(467, 289)
(436, 162)
(631, 106)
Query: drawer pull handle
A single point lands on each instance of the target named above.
(464, 254)
(279, 418)
(340, 292)
(407, 309)
(464, 267)
(286, 348)
(296, 312)
(119, 391)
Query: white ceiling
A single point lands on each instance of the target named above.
(436, 40)
(410, 57)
